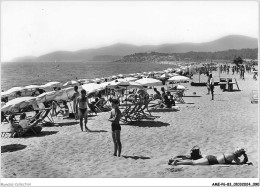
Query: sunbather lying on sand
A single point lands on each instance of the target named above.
(212, 160)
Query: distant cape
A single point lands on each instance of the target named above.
(117, 51)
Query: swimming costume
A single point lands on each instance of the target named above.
(116, 126)
(212, 159)
(83, 110)
(227, 161)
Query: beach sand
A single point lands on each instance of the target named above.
(219, 126)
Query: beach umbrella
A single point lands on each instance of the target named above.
(113, 77)
(128, 84)
(178, 78)
(82, 80)
(130, 79)
(46, 96)
(149, 82)
(18, 103)
(173, 74)
(177, 70)
(120, 75)
(121, 80)
(50, 84)
(92, 87)
(181, 87)
(164, 76)
(12, 90)
(31, 87)
(69, 83)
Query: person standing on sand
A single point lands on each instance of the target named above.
(116, 128)
(74, 99)
(208, 85)
(82, 108)
(211, 84)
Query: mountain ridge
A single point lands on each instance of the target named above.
(122, 49)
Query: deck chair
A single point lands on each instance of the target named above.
(102, 105)
(4, 117)
(178, 96)
(92, 109)
(254, 96)
(125, 117)
(33, 128)
(44, 113)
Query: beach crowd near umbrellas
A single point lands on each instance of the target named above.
(54, 90)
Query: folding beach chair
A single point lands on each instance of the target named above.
(33, 128)
(102, 105)
(92, 109)
(126, 114)
(44, 113)
(254, 96)
(178, 96)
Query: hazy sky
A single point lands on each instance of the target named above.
(36, 28)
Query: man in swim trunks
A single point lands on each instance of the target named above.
(82, 107)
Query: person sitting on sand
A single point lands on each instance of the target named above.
(26, 125)
(116, 128)
(82, 107)
(13, 126)
(64, 109)
(167, 101)
(172, 101)
(212, 160)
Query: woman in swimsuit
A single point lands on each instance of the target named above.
(82, 107)
(212, 160)
(116, 128)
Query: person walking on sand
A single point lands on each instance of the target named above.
(82, 108)
(116, 128)
(211, 84)
(74, 99)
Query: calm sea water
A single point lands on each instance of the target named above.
(23, 74)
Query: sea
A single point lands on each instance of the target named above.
(38, 73)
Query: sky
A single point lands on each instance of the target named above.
(34, 28)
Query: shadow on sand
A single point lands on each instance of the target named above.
(164, 110)
(65, 124)
(96, 131)
(12, 148)
(147, 124)
(137, 157)
(191, 96)
(42, 134)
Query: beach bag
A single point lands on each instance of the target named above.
(195, 153)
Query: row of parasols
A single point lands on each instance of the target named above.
(67, 93)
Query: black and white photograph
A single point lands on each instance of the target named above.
(126, 93)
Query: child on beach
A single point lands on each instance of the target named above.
(116, 128)
(82, 107)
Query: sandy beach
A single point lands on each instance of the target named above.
(218, 126)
